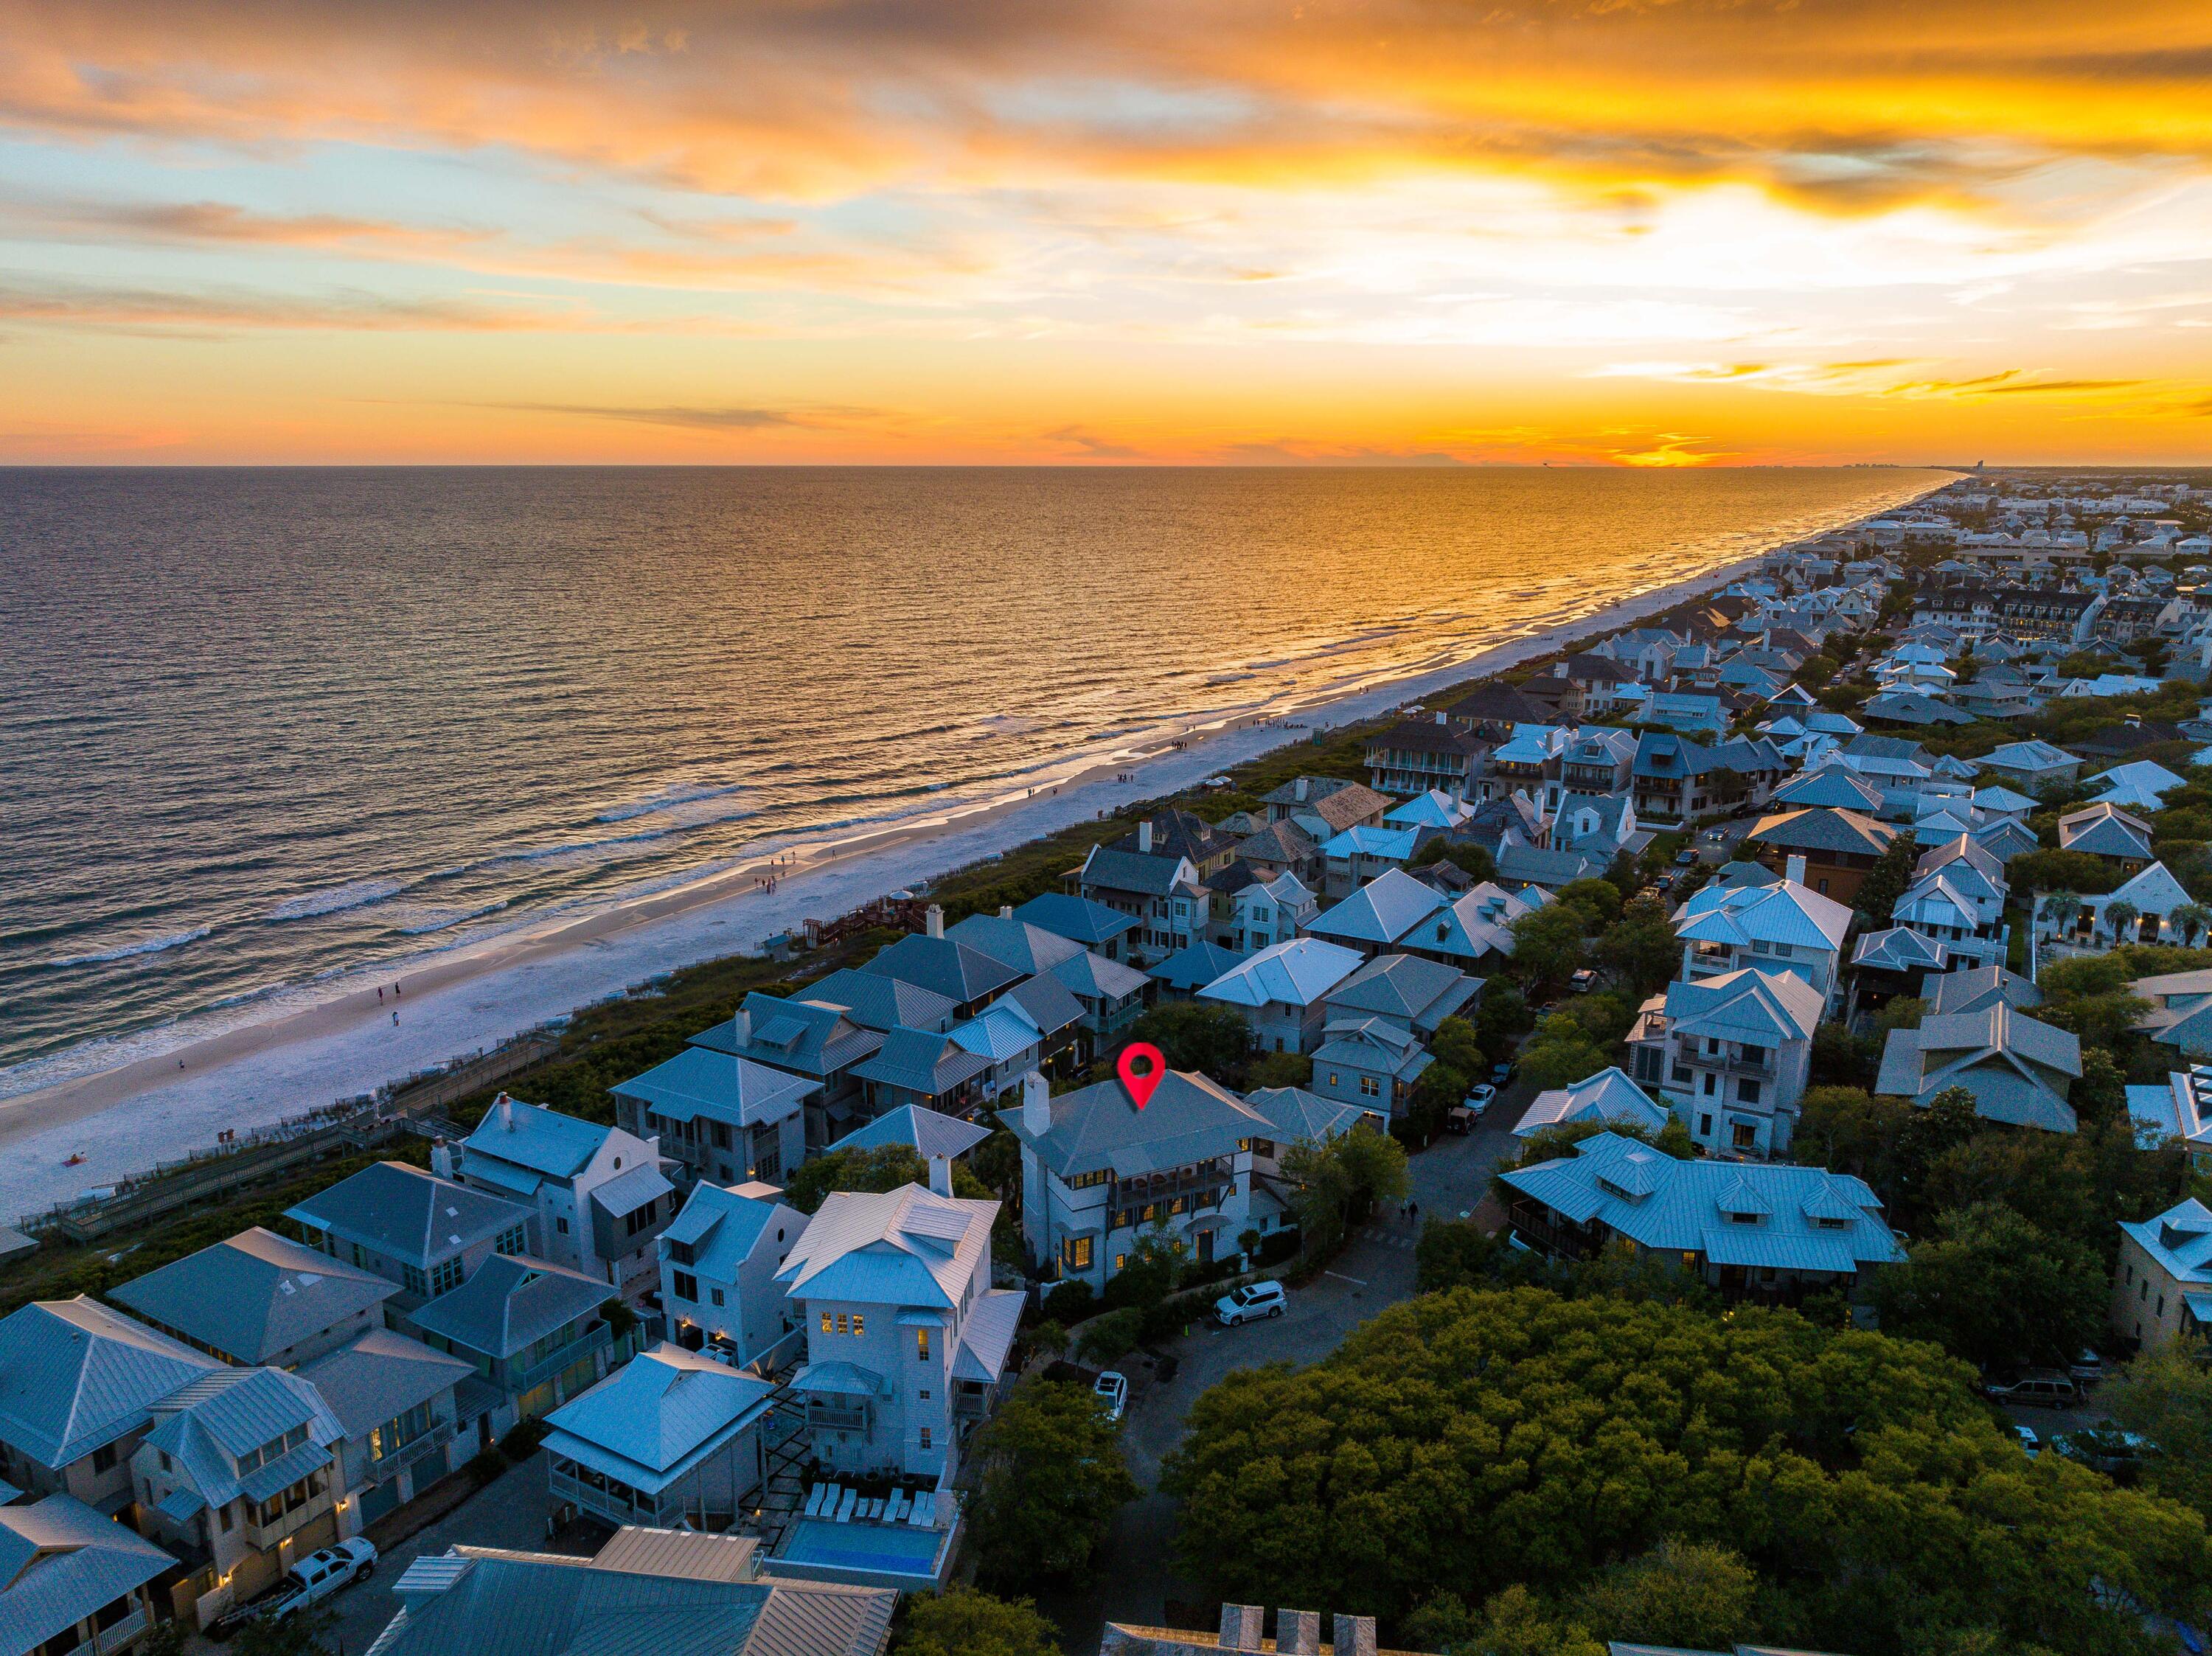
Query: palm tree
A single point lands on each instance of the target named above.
(2060, 907)
(2191, 917)
(2120, 916)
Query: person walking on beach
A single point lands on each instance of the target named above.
(395, 1016)
(379, 994)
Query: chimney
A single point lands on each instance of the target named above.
(932, 920)
(1352, 1635)
(441, 1160)
(1037, 1105)
(1440, 716)
(1240, 1626)
(1298, 1633)
(1796, 867)
(1144, 837)
(506, 1114)
(741, 1028)
(940, 1174)
(1006, 911)
(1302, 784)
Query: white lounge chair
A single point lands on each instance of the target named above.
(870, 1507)
(845, 1504)
(820, 1500)
(896, 1513)
(925, 1509)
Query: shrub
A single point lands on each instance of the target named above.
(1070, 1302)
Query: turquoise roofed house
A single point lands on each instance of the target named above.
(2162, 1280)
(818, 1039)
(718, 1258)
(1730, 1055)
(1374, 918)
(1099, 928)
(1781, 926)
(400, 1404)
(1359, 855)
(600, 1193)
(1283, 991)
(71, 1578)
(1609, 1097)
(722, 1116)
(536, 1332)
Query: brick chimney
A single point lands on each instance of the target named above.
(1352, 1635)
(932, 920)
(1298, 1633)
(1240, 1626)
(1144, 836)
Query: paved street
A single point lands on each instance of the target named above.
(1136, 1576)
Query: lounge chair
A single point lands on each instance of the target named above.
(924, 1515)
(896, 1513)
(845, 1504)
(815, 1498)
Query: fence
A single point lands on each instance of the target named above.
(241, 1159)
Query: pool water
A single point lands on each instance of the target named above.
(887, 1549)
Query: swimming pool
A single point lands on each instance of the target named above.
(882, 1548)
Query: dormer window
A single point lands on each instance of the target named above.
(1743, 1218)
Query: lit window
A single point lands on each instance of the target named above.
(925, 1437)
(857, 1327)
(843, 1323)
(921, 1347)
(825, 1322)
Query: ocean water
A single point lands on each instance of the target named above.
(264, 729)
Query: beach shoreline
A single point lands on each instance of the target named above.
(118, 1120)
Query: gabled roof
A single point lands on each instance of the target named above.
(2143, 780)
(1971, 990)
(1000, 1033)
(923, 1061)
(204, 1427)
(1294, 1113)
(1277, 842)
(1834, 785)
(1380, 911)
(1189, 1119)
(2105, 830)
(1394, 845)
(510, 1301)
(62, 1563)
(2180, 1240)
(908, 1246)
(75, 1375)
(1194, 965)
(719, 1086)
(1371, 1044)
(1551, 869)
(1806, 1219)
(254, 1296)
(1298, 972)
(2006, 837)
(658, 1417)
(804, 1036)
(2153, 890)
(1608, 1096)
(2015, 1066)
(414, 1216)
(1131, 870)
(1027, 948)
(1899, 948)
(1784, 912)
(1497, 703)
(1093, 974)
(1421, 992)
(945, 966)
(879, 1003)
(379, 1377)
(1076, 918)
(1767, 1009)
(723, 1226)
(1820, 829)
(530, 1136)
(927, 1132)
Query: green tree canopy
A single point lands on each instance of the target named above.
(2061, 871)
(1471, 859)
(1547, 946)
(1597, 901)
(1336, 1183)
(1467, 1441)
(884, 1168)
(1890, 877)
(2165, 1394)
(962, 1622)
(1050, 1478)
(1197, 1035)
(1994, 1289)
(1641, 948)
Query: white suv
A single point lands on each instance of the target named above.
(1253, 1300)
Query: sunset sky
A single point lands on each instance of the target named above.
(1628, 232)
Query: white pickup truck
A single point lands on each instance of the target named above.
(317, 1576)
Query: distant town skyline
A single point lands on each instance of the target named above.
(1618, 233)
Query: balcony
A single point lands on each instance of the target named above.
(123, 1632)
(266, 1535)
(382, 1466)
(598, 1337)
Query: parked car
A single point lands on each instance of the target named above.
(1479, 1097)
(2043, 1388)
(2105, 1448)
(1686, 856)
(1582, 981)
(1112, 1390)
(2087, 1369)
(317, 1576)
(1502, 1073)
(2031, 1445)
(1253, 1300)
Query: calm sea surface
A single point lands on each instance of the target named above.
(260, 728)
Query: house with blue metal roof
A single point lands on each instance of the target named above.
(258, 1298)
(672, 1438)
(646, 1593)
(724, 1118)
(1373, 920)
(535, 1331)
(718, 1258)
(242, 1470)
(1099, 928)
(1777, 925)
(1767, 1231)
(1111, 993)
(1609, 1097)
(421, 1233)
(1369, 1063)
(1359, 855)
(77, 1383)
(398, 1401)
(1283, 991)
(72, 1579)
(923, 1068)
(1162, 893)
(1730, 1054)
(2162, 1279)
(966, 976)
(876, 1001)
(803, 1036)
(600, 1193)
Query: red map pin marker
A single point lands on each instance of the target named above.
(1140, 1080)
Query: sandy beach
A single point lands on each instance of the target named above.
(121, 1119)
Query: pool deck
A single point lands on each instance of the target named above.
(864, 1554)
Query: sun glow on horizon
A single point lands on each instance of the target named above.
(1639, 234)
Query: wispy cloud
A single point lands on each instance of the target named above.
(1089, 446)
(713, 418)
